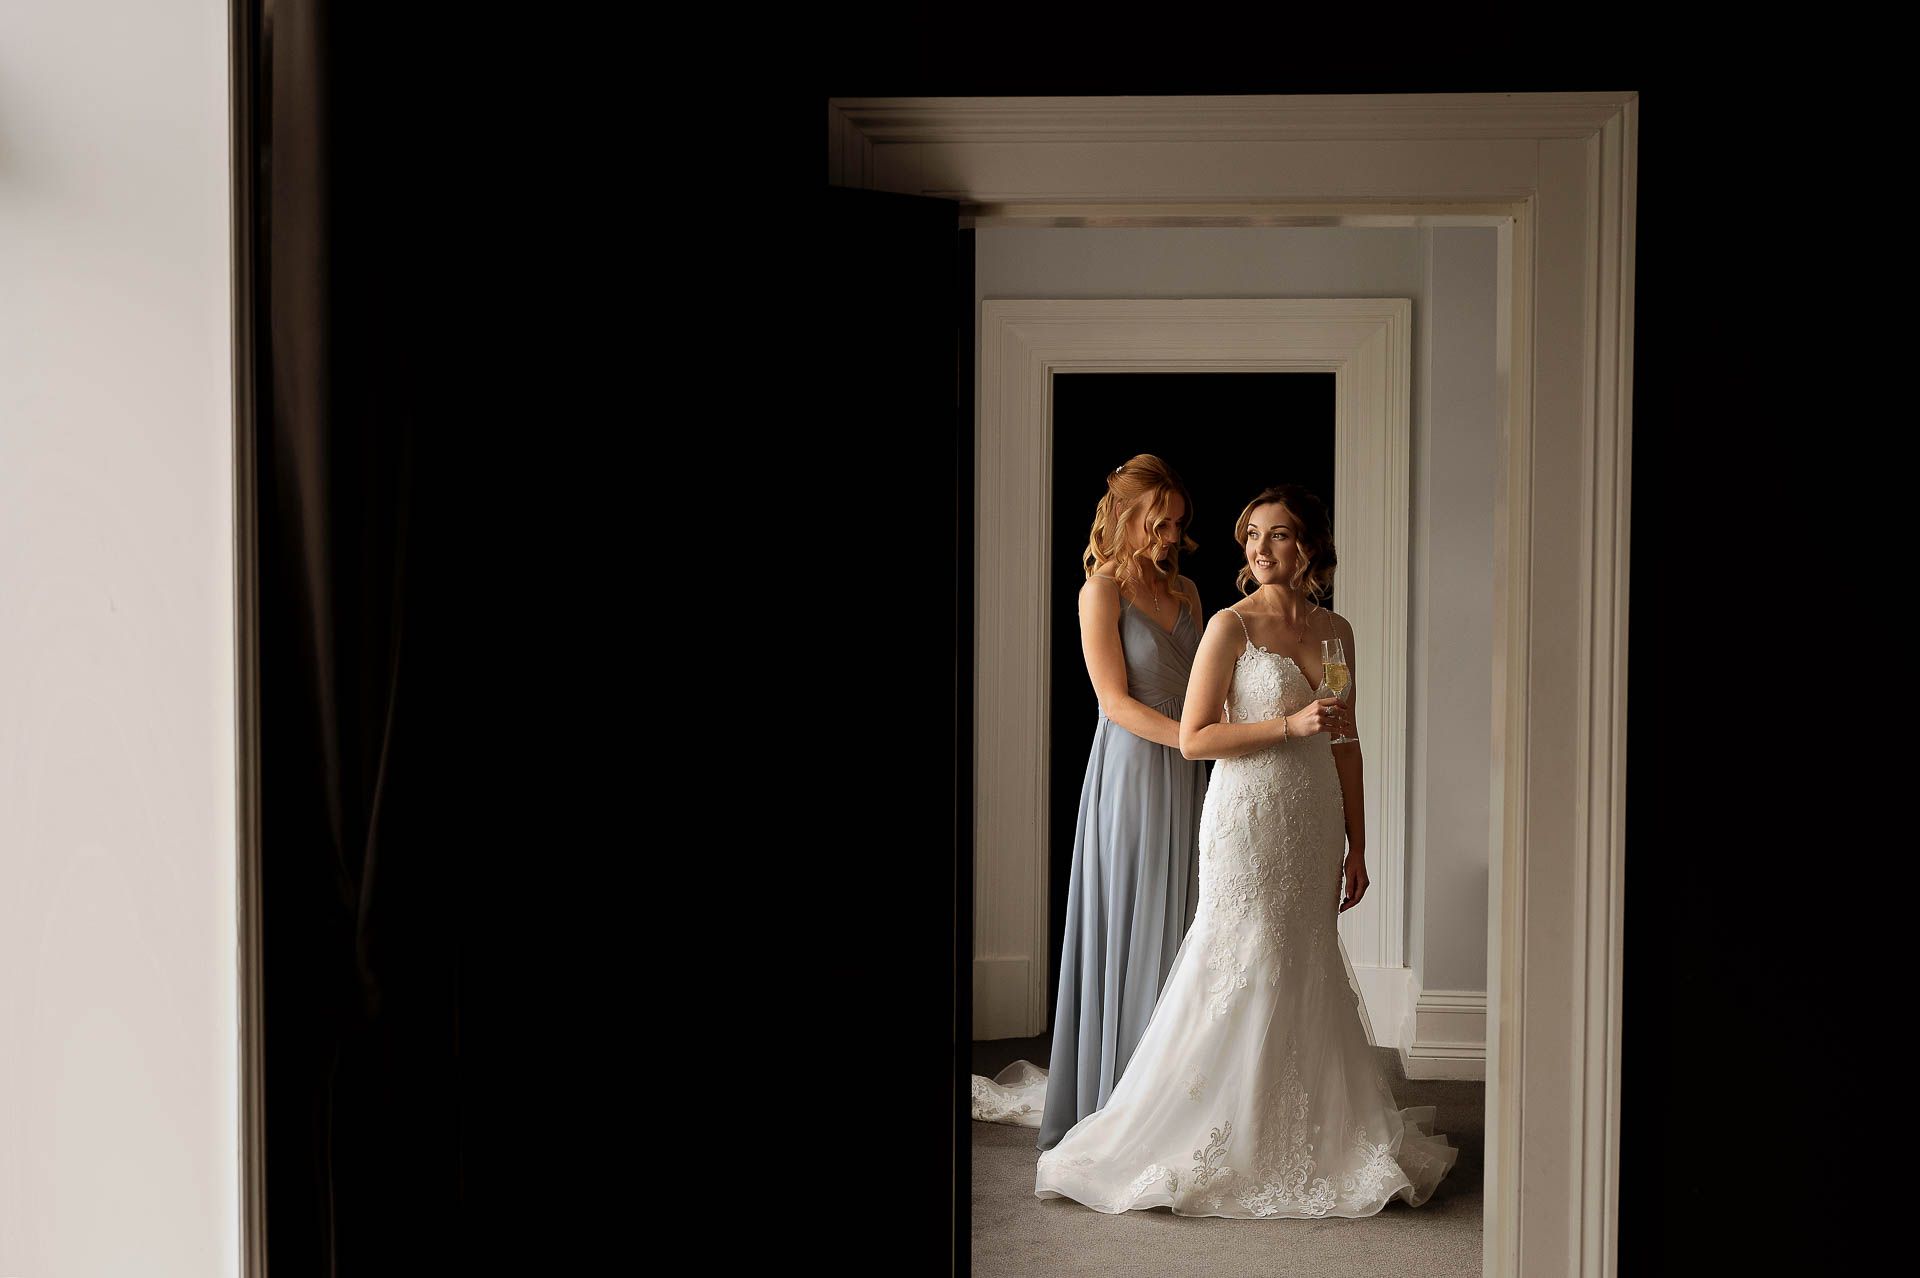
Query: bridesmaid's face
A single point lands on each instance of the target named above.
(1269, 541)
(1164, 538)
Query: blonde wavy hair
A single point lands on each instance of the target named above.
(1314, 533)
(1142, 480)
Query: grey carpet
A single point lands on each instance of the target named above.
(1015, 1233)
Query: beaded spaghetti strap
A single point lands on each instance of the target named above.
(1243, 624)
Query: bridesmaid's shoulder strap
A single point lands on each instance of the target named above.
(1243, 624)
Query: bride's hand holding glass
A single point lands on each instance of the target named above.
(1333, 659)
(1324, 714)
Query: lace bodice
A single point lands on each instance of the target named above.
(1272, 836)
(1266, 685)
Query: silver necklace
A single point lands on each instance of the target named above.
(1300, 635)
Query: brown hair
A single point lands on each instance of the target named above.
(1142, 479)
(1312, 528)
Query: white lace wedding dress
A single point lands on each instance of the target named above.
(1016, 1095)
(1254, 1092)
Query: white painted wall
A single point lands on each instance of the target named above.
(118, 1024)
(1450, 273)
(1456, 459)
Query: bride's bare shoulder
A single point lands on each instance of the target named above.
(1226, 620)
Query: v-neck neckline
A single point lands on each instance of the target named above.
(1179, 612)
(1297, 666)
(1311, 686)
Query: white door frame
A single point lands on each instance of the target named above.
(1562, 167)
(1366, 343)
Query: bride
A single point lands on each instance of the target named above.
(1253, 1091)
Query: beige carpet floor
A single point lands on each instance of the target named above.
(1015, 1233)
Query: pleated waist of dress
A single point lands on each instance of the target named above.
(1157, 699)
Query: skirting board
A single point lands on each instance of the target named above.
(1002, 988)
(1449, 1036)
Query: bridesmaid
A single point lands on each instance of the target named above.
(1135, 877)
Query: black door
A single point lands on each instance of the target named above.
(896, 349)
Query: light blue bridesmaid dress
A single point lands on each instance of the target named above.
(1134, 884)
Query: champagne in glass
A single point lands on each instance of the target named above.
(1333, 656)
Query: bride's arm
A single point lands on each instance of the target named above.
(1202, 734)
(1346, 758)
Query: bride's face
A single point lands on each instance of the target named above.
(1270, 544)
(1167, 536)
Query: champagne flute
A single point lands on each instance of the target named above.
(1333, 657)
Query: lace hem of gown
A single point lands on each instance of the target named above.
(1409, 1169)
(1017, 1095)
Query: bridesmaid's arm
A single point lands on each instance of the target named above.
(1346, 758)
(1107, 665)
(1202, 735)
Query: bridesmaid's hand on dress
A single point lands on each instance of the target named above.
(1354, 882)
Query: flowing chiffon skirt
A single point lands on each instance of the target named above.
(1132, 892)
